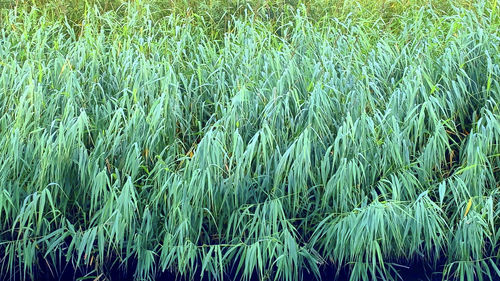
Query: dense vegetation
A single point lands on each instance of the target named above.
(250, 147)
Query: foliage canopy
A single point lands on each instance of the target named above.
(265, 148)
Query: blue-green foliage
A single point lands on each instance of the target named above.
(336, 142)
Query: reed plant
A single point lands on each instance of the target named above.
(263, 149)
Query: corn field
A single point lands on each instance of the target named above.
(269, 151)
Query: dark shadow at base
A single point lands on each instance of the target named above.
(414, 272)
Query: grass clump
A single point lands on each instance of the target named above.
(252, 150)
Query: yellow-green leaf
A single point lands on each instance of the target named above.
(469, 204)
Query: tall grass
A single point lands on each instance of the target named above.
(148, 141)
(216, 14)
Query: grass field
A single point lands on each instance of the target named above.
(257, 140)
